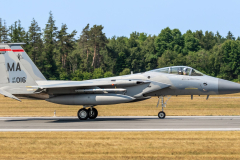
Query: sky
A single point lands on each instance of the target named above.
(122, 17)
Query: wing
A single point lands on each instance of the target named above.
(96, 84)
(135, 88)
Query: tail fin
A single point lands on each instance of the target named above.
(17, 71)
(26, 61)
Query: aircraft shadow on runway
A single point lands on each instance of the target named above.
(71, 120)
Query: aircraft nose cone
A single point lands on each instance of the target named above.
(227, 87)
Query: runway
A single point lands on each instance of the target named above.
(121, 123)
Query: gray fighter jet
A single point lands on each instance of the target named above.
(20, 77)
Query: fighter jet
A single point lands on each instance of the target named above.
(20, 77)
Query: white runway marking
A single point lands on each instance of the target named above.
(117, 130)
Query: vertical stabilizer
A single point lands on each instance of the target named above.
(17, 71)
(26, 61)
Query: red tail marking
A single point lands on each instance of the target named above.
(5, 50)
(18, 50)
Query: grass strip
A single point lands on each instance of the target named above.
(120, 145)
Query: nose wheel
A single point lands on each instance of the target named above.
(162, 114)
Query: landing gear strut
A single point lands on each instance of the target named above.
(84, 114)
(162, 114)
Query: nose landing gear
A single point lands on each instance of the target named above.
(162, 114)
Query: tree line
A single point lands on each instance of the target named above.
(59, 55)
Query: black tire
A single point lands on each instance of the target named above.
(161, 115)
(92, 114)
(83, 114)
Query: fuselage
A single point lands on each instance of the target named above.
(177, 80)
(159, 84)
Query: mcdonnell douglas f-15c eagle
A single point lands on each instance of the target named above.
(20, 77)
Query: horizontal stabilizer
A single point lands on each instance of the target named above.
(7, 94)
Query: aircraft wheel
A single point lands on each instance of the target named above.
(161, 115)
(92, 113)
(83, 114)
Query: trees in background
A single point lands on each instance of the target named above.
(59, 55)
(34, 44)
(3, 31)
(49, 51)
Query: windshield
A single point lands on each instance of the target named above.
(196, 73)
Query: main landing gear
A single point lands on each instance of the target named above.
(162, 114)
(84, 114)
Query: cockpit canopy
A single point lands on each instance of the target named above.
(179, 70)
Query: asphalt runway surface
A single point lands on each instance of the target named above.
(121, 123)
